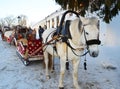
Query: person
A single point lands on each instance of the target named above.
(41, 30)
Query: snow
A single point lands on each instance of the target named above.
(102, 72)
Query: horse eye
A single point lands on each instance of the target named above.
(86, 33)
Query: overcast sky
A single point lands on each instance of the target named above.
(35, 10)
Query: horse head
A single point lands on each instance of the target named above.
(90, 35)
(83, 31)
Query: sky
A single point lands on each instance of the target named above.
(35, 10)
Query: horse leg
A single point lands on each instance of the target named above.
(51, 63)
(62, 72)
(75, 73)
(46, 59)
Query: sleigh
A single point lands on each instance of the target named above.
(7, 34)
(26, 50)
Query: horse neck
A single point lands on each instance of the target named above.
(76, 37)
(76, 33)
(76, 40)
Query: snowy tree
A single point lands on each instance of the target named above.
(105, 9)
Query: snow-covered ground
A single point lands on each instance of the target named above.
(102, 72)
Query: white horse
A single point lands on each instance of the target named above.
(84, 34)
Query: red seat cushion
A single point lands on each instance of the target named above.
(34, 45)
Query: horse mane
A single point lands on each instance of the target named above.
(89, 20)
(93, 20)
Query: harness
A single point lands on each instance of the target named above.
(91, 42)
(63, 33)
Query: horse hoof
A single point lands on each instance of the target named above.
(61, 87)
(48, 77)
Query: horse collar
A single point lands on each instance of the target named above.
(66, 31)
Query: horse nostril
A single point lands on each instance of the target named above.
(94, 54)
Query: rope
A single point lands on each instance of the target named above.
(85, 64)
(53, 59)
(67, 63)
(85, 73)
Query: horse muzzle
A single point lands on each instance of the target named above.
(94, 53)
(92, 46)
(93, 50)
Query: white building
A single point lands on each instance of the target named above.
(52, 20)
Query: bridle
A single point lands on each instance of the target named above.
(92, 41)
(87, 42)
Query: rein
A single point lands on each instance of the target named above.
(73, 49)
